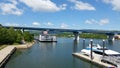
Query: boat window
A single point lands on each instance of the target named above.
(98, 52)
(102, 48)
(117, 55)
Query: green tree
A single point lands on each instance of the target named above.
(3, 34)
(27, 36)
(91, 35)
(12, 35)
(19, 36)
(0, 25)
(65, 34)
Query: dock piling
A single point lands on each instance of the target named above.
(103, 47)
(91, 43)
(83, 43)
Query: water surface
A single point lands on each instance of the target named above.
(55, 55)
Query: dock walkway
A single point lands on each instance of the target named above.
(96, 61)
(5, 54)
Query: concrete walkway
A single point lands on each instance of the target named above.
(5, 54)
(97, 61)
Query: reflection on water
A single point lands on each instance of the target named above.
(83, 44)
(110, 42)
(75, 44)
(55, 55)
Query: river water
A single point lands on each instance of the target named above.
(56, 55)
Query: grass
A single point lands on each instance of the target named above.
(2, 46)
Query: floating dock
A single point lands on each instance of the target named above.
(95, 60)
(5, 54)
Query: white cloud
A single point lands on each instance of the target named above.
(14, 2)
(43, 5)
(115, 4)
(12, 24)
(99, 22)
(63, 25)
(103, 21)
(49, 24)
(36, 24)
(63, 6)
(10, 8)
(92, 21)
(88, 21)
(79, 5)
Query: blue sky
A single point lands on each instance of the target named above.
(69, 14)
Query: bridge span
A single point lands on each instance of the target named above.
(76, 32)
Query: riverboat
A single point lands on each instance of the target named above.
(45, 37)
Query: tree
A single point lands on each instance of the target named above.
(3, 35)
(91, 35)
(12, 35)
(27, 36)
(0, 25)
(19, 36)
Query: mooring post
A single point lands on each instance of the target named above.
(83, 43)
(91, 43)
(103, 48)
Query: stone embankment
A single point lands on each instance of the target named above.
(27, 45)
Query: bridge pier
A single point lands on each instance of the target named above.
(76, 34)
(111, 37)
(22, 30)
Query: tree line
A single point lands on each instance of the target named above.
(11, 36)
(83, 35)
(93, 35)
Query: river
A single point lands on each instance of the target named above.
(56, 55)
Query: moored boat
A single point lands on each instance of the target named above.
(110, 56)
(45, 37)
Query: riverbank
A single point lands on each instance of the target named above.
(23, 46)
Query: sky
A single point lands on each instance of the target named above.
(63, 14)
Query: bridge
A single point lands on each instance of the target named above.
(109, 33)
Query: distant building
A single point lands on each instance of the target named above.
(117, 36)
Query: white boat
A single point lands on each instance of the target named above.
(45, 37)
(97, 49)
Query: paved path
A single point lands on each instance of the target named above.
(5, 54)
